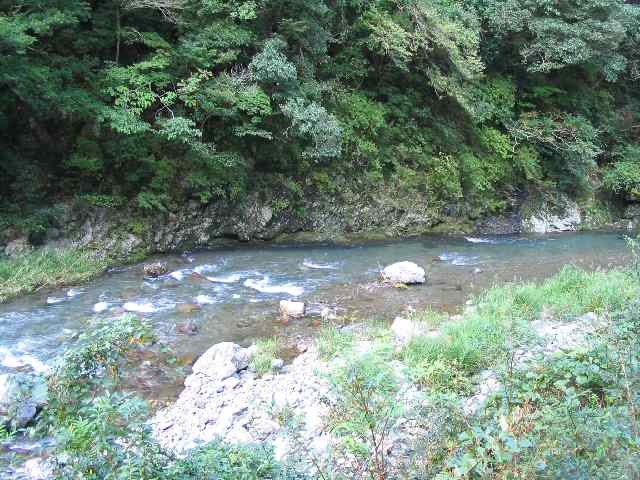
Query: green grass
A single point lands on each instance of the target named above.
(331, 341)
(500, 322)
(46, 268)
(268, 350)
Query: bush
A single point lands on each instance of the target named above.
(574, 415)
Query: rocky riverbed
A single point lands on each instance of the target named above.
(224, 399)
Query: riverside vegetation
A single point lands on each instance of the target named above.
(152, 104)
(568, 413)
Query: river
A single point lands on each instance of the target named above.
(232, 294)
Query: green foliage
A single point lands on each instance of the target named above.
(573, 415)
(623, 177)
(168, 102)
(231, 462)
(103, 433)
(554, 36)
(267, 350)
(367, 390)
(332, 341)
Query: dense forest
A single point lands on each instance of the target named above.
(153, 103)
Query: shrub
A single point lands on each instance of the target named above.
(366, 390)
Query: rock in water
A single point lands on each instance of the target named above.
(187, 308)
(21, 395)
(404, 272)
(222, 360)
(290, 309)
(155, 269)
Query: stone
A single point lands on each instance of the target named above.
(289, 309)
(155, 269)
(21, 395)
(405, 330)
(222, 361)
(187, 308)
(277, 364)
(403, 272)
(566, 219)
(632, 212)
(37, 469)
(17, 247)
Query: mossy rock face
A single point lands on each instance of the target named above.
(632, 212)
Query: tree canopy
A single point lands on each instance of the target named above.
(164, 101)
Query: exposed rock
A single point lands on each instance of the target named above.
(21, 395)
(563, 217)
(17, 247)
(36, 469)
(155, 269)
(403, 272)
(277, 364)
(221, 361)
(405, 330)
(289, 309)
(632, 212)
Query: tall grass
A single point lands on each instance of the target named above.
(501, 316)
(47, 268)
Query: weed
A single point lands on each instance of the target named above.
(332, 341)
(367, 393)
(267, 350)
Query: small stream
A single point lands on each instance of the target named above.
(232, 294)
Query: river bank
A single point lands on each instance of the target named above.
(519, 364)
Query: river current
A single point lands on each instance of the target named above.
(232, 294)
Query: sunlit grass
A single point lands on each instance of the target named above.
(46, 268)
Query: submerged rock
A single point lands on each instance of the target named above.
(290, 309)
(187, 308)
(21, 395)
(404, 272)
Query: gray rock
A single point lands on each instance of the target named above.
(155, 269)
(37, 469)
(17, 247)
(222, 361)
(405, 330)
(564, 217)
(21, 395)
(404, 272)
(277, 364)
(632, 212)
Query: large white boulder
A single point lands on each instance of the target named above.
(289, 309)
(222, 361)
(404, 272)
(564, 217)
(405, 330)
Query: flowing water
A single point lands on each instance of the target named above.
(232, 294)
